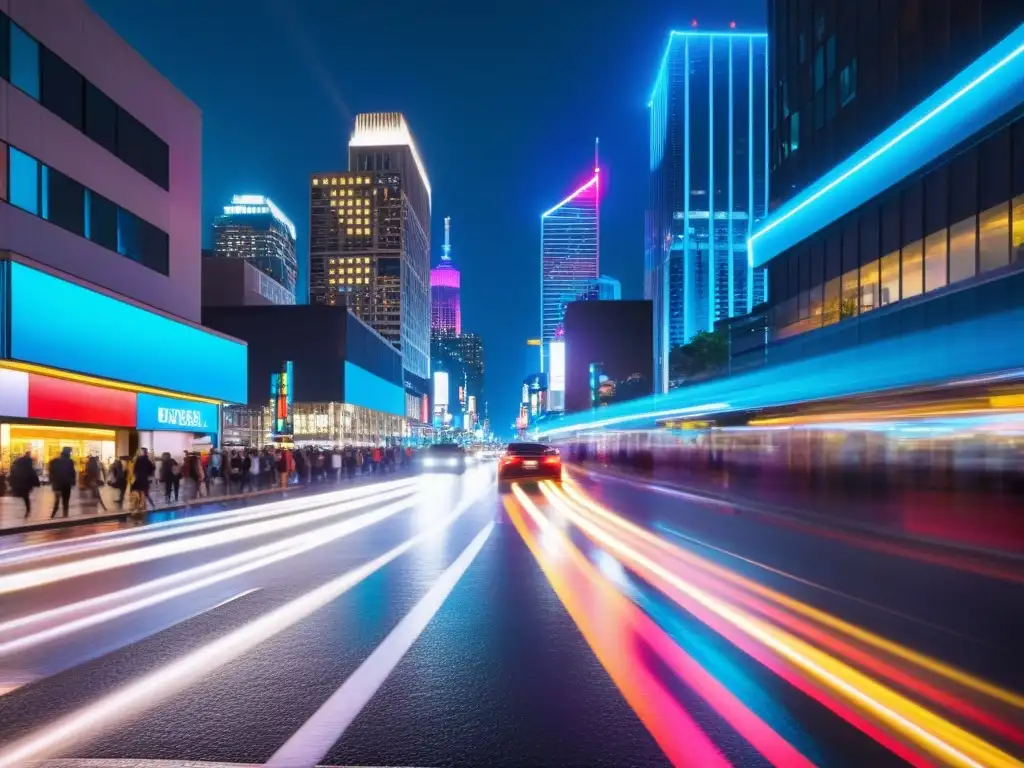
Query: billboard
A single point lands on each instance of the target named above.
(281, 403)
(556, 369)
(176, 415)
(440, 389)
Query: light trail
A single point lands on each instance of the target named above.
(151, 689)
(54, 573)
(935, 735)
(311, 743)
(182, 583)
(189, 525)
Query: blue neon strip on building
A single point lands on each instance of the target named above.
(985, 91)
(63, 325)
(370, 391)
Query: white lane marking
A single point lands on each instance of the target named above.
(314, 739)
(148, 691)
(193, 524)
(53, 573)
(250, 561)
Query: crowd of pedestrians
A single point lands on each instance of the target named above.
(195, 474)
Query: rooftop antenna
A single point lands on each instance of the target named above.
(446, 249)
(597, 166)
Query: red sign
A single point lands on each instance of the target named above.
(52, 399)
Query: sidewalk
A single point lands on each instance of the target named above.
(83, 510)
(983, 524)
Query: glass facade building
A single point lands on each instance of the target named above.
(445, 290)
(708, 184)
(918, 219)
(370, 236)
(253, 228)
(570, 247)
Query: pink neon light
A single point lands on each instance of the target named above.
(444, 277)
(574, 195)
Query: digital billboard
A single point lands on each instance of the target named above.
(440, 389)
(176, 415)
(556, 371)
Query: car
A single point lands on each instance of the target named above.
(443, 457)
(529, 461)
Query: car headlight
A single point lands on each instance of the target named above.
(428, 462)
(453, 462)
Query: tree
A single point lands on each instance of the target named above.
(704, 355)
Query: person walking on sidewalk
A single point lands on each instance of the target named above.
(117, 477)
(62, 480)
(170, 476)
(23, 479)
(94, 480)
(143, 471)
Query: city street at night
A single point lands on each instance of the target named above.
(424, 620)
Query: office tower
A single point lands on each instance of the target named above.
(100, 238)
(254, 229)
(708, 184)
(370, 236)
(570, 253)
(603, 288)
(445, 304)
(463, 353)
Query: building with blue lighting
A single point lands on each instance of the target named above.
(708, 184)
(570, 248)
(254, 229)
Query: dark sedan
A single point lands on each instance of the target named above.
(443, 457)
(529, 461)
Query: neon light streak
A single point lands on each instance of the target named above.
(788, 212)
(683, 33)
(571, 197)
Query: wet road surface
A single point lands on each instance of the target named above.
(427, 621)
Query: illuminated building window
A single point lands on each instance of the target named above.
(330, 261)
(366, 221)
(349, 280)
(332, 281)
(316, 182)
(350, 193)
(334, 181)
(348, 203)
(359, 230)
(343, 181)
(332, 203)
(334, 193)
(349, 232)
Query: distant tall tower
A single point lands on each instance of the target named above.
(445, 304)
(570, 245)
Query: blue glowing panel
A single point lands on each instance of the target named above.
(371, 391)
(119, 341)
(983, 92)
(174, 415)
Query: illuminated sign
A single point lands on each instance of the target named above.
(281, 384)
(556, 369)
(371, 391)
(175, 415)
(51, 399)
(440, 389)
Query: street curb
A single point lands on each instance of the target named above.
(812, 518)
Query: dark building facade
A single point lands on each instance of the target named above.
(347, 381)
(902, 181)
(607, 353)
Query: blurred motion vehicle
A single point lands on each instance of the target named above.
(443, 457)
(529, 461)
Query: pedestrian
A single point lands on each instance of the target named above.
(94, 480)
(215, 469)
(143, 471)
(300, 465)
(170, 471)
(117, 477)
(23, 479)
(62, 480)
(335, 464)
(199, 475)
(254, 469)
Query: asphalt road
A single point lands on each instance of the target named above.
(426, 621)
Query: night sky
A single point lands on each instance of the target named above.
(504, 99)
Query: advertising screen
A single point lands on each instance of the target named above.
(556, 371)
(174, 415)
(440, 389)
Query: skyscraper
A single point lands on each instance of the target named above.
(370, 236)
(254, 229)
(570, 244)
(708, 163)
(462, 356)
(445, 304)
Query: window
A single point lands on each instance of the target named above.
(62, 89)
(869, 286)
(100, 118)
(23, 181)
(1018, 228)
(142, 149)
(154, 247)
(5, 48)
(963, 246)
(830, 56)
(3, 164)
(831, 302)
(128, 237)
(64, 202)
(912, 272)
(102, 221)
(993, 238)
(935, 254)
(848, 83)
(819, 70)
(794, 132)
(24, 61)
(889, 281)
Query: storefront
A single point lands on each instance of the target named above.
(62, 389)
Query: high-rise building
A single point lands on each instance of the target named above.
(604, 288)
(370, 236)
(708, 184)
(100, 229)
(462, 355)
(570, 246)
(253, 228)
(445, 302)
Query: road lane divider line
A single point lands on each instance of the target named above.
(54, 573)
(822, 617)
(314, 739)
(927, 730)
(155, 687)
(189, 525)
(184, 582)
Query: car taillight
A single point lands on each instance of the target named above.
(510, 460)
(552, 460)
